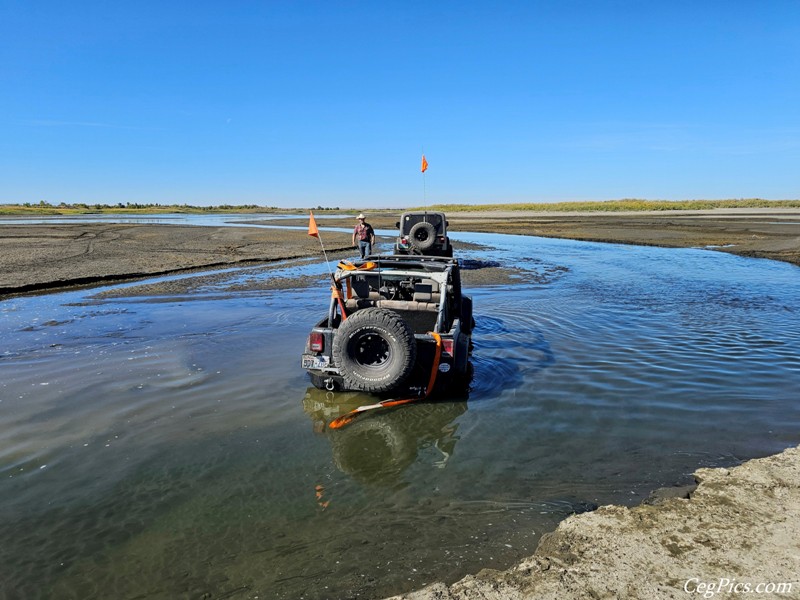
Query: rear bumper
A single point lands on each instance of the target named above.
(324, 374)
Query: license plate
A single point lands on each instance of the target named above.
(315, 362)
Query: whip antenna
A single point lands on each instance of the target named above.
(423, 169)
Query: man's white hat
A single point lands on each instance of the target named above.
(361, 216)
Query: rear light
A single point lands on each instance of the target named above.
(447, 346)
(316, 341)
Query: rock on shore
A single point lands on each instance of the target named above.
(740, 529)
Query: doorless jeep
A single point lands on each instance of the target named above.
(384, 317)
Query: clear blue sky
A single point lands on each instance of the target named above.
(298, 103)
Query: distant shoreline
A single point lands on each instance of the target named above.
(616, 206)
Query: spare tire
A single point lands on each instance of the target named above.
(422, 236)
(375, 350)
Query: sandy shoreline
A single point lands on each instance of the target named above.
(739, 526)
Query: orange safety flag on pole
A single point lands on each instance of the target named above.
(424, 164)
(312, 227)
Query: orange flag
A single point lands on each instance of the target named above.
(424, 164)
(312, 227)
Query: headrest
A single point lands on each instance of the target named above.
(423, 292)
(360, 287)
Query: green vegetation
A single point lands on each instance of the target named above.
(45, 208)
(623, 205)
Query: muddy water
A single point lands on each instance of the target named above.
(171, 447)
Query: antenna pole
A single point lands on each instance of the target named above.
(325, 254)
(424, 168)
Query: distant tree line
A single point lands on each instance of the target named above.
(44, 206)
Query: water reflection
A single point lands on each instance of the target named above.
(378, 447)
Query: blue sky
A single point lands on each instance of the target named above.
(332, 103)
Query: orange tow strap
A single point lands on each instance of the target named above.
(346, 265)
(348, 418)
(339, 295)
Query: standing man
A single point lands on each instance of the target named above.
(363, 236)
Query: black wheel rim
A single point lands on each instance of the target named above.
(371, 350)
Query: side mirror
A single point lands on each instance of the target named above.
(447, 223)
(397, 225)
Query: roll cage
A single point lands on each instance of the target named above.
(425, 288)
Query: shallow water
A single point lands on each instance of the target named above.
(172, 448)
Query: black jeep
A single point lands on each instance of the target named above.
(423, 233)
(384, 322)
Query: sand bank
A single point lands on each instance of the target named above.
(41, 258)
(47, 257)
(739, 527)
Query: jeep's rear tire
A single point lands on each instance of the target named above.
(422, 236)
(461, 382)
(375, 350)
(467, 322)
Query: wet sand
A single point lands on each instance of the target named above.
(44, 258)
(37, 258)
